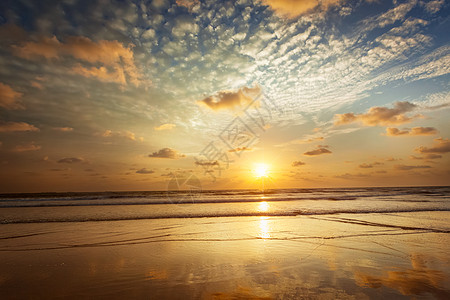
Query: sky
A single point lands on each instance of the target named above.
(156, 95)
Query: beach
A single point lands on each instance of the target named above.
(373, 243)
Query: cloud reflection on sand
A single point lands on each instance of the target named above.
(416, 281)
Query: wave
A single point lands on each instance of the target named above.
(64, 219)
(361, 192)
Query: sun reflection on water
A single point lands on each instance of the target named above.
(263, 206)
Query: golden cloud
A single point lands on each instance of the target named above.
(27, 147)
(295, 8)
(117, 61)
(416, 281)
(16, 127)
(166, 126)
(413, 131)
(231, 99)
(122, 134)
(9, 97)
(380, 115)
(440, 146)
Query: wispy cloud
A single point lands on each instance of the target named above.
(426, 156)
(166, 126)
(298, 163)
(63, 129)
(240, 149)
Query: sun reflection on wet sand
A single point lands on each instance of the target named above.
(264, 228)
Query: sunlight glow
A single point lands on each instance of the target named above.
(261, 170)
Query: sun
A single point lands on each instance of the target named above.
(261, 170)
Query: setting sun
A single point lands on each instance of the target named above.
(261, 170)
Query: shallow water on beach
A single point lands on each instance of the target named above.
(290, 244)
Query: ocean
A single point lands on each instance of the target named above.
(330, 243)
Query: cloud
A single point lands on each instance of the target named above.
(390, 131)
(368, 166)
(63, 129)
(240, 149)
(207, 163)
(351, 176)
(426, 156)
(440, 146)
(145, 171)
(27, 147)
(122, 134)
(231, 99)
(298, 163)
(320, 150)
(166, 126)
(16, 127)
(116, 61)
(167, 153)
(380, 115)
(294, 8)
(189, 4)
(417, 281)
(70, 160)
(9, 98)
(406, 167)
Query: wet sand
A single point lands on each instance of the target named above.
(338, 256)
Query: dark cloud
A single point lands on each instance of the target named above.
(240, 149)
(70, 160)
(145, 171)
(352, 176)
(207, 163)
(167, 153)
(320, 150)
(298, 163)
(380, 115)
(426, 156)
(368, 166)
(440, 146)
(406, 167)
